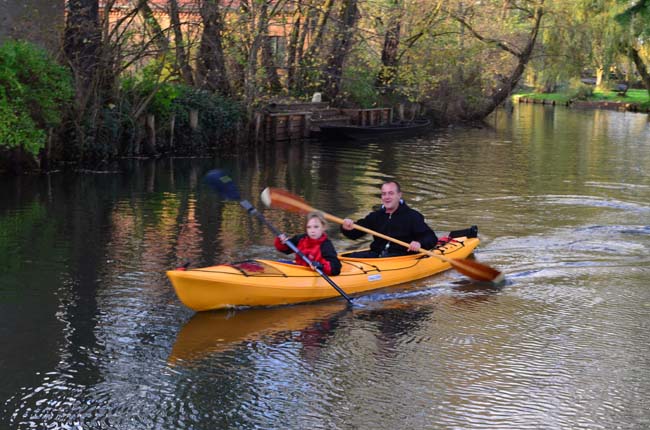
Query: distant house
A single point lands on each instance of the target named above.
(278, 31)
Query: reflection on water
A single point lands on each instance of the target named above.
(207, 333)
(94, 337)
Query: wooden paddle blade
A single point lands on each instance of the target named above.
(223, 184)
(283, 199)
(475, 270)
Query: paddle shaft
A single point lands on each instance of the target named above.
(388, 238)
(252, 211)
(471, 269)
(299, 204)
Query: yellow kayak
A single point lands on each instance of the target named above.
(272, 283)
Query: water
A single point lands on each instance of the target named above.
(93, 336)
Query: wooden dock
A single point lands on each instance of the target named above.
(289, 121)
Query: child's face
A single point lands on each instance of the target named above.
(314, 228)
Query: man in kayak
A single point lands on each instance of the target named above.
(394, 219)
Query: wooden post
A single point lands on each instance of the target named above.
(274, 128)
(194, 119)
(258, 125)
(306, 124)
(151, 133)
(48, 151)
(172, 124)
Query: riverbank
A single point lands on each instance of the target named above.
(632, 101)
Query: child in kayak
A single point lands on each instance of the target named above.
(314, 244)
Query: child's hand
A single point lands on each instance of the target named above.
(283, 238)
(317, 266)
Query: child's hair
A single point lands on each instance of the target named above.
(316, 214)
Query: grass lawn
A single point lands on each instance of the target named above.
(633, 96)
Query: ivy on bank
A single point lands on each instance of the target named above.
(34, 91)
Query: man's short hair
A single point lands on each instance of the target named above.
(399, 187)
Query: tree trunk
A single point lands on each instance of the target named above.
(599, 76)
(292, 49)
(319, 31)
(82, 42)
(181, 55)
(270, 70)
(385, 81)
(211, 67)
(641, 68)
(308, 75)
(348, 16)
(256, 29)
(268, 62)
(159, 37)
(502, 91)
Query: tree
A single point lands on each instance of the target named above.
(526, 18)
(82, 43)
(637, 19)
(268, 58)
(390, 50)
(179, 44)
(348, 15)
(33, 90)
(211, 63)
(307, 66)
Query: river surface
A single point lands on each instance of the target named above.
(93, 336)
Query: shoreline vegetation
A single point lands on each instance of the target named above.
(158, 78)
(633, 100)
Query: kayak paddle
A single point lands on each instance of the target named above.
(223, 184)
(274, 197)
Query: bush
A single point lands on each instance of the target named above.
(217, 121)
(34, 91)
(358, 87)
(217, 116)
(580, 91)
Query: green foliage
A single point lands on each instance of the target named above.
(639, 97)
(218, 118)
(149, 85)
(171, 101)
(632, 96)
(640, 8)
(559, 98)
(580, 91)
(358, 86)
(34, 91)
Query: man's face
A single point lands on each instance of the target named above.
(390, 197)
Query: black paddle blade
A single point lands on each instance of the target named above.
(223, 184)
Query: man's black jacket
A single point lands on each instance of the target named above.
(405, 224)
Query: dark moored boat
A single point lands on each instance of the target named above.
(361, 131)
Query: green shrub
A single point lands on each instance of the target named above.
(358, 86)
(147, 84)
(579, 91)
(218, 119)
(34, 91)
